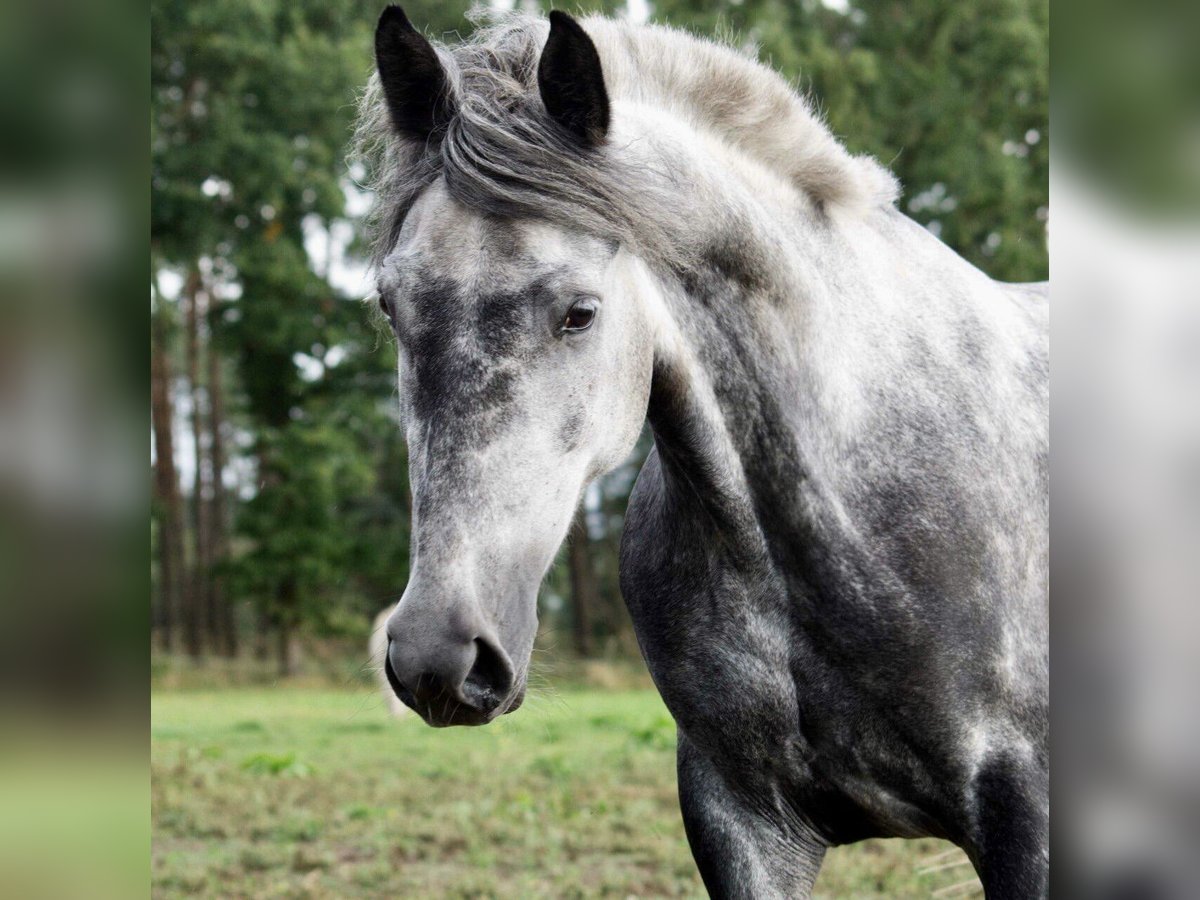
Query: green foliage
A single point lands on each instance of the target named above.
(256, 95)
(251, 112)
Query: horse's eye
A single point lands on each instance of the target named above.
(580, 316)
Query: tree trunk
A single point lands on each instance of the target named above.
(218, 517)
(166, 486)
(289, 646)
(289, 650)
(583, 584)
(262, 634)
(199, 619)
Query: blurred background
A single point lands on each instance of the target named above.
(277, 493)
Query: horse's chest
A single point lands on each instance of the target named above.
(749, 686)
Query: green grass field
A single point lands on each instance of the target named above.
(290, 792)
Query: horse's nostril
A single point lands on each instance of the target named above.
(490, 678)
(452, 682)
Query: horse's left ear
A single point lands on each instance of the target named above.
(571, 81)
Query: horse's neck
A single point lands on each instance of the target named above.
(715, 405)
(774, 363)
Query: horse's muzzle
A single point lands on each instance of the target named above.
(451, 692)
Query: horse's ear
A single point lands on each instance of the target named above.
(413, 80)
(571, 81)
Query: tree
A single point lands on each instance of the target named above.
(168, 508)
(583, 583)
(218, 516)
(197, 618)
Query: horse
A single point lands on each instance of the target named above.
(836, 555)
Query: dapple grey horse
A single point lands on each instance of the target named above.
(836, 556)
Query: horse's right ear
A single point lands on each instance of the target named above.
(571, 81)
(413, 79)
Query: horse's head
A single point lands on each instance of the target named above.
(525, 367)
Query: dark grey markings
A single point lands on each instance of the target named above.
(570, 431)
(454, 384)
(1011, 832)
(972, 345)
(742, 856)
(739, 262)
(725, 262)
(468, 352)
(503, 322)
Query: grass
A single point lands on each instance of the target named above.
(290, 792)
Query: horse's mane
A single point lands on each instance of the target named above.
(501, 154)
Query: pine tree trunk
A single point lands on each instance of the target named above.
(289, 650)
(288, 646)
(198, 620)
(262, 635)
(218, 517)
(583, 584)
(166, 488)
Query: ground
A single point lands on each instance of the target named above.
(289, 792)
